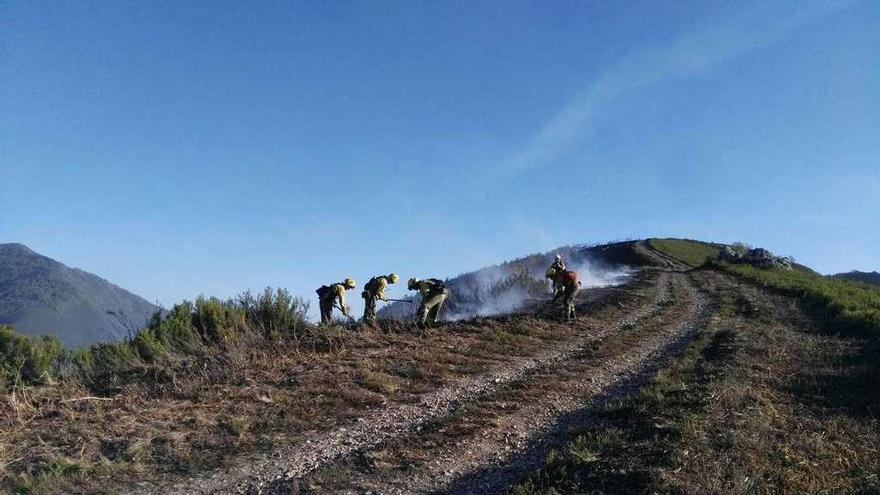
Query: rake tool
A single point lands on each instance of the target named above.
(343, 312)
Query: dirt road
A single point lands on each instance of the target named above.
(475, 435)
(483, 444)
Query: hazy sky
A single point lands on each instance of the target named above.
(178, 148)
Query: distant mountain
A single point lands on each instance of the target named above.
(866, 277)
(39, 295)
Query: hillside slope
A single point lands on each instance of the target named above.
(510, 286)
(872, 278)
(690, 252)
(39, 295)
(725, 378)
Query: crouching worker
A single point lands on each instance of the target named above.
(334, 295)
(433, 294)
(374, 291)
(565, 285)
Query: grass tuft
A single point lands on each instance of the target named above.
(690, 252)
(849, 305)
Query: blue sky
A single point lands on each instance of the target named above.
(185, 148)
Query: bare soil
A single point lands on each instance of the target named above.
(486, 441)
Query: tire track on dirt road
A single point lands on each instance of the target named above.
(619, 378)
(322, 448)
(465, 453)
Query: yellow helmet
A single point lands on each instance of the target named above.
(393, 278)
(350, 283)
(412, 283)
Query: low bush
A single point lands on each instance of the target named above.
(275, 313)
(188, 330)
(28, 359)
(176, 331)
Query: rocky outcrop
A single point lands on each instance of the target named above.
(759, 257)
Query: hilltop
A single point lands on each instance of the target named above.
(691, 375)
(39, 295)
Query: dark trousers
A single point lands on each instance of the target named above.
(567, 292)
(370, 308)
(430, 308)
(326, 307)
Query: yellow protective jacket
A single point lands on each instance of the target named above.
(381, 285)
(337, 293)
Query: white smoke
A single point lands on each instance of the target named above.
(512, 287)
(593, 277)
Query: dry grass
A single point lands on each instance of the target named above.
(471, 421)
(254, 395)
(777, 420)
(693, 253)
(763, 401)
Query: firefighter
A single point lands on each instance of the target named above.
(434, 293)
(558, 264)
(334, 295)
(566, 285)
(375, 290)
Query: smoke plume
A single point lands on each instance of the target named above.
(512, 286)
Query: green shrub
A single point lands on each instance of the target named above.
(32, 360)
(852, 305)
(217, 321)
(82, 362)
(274, 313)
(110, 359)
(149, 345)
(189, 329)
(176, 331)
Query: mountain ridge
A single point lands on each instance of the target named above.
(39, 295)
(872, 278)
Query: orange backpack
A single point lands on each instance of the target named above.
(568, 278)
